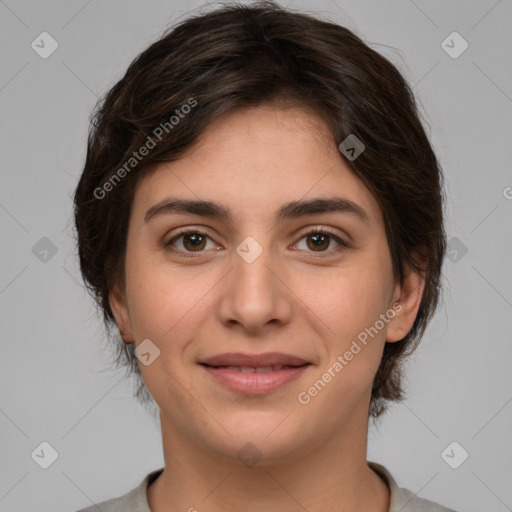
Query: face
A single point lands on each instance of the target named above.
(255, 272)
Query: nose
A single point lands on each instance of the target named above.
(255, 295)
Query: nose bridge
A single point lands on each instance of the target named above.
(254, 294)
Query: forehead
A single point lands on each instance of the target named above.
(256, 159)
(281, 128)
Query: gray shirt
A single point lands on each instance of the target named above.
(401, 500)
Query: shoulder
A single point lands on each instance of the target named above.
(412, 503)
(121, 504)
(134, 501)
(404, 500)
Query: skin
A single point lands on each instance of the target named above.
(294, 298)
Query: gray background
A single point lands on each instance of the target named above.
(54, 387)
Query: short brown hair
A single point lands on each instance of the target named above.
(239, 56)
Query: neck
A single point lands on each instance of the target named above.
(330, 475)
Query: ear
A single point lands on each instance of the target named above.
(408, 296)
(119, 307)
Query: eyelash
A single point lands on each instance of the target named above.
(313, 231)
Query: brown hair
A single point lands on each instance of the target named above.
(240, 56)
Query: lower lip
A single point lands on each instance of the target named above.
(255, 383)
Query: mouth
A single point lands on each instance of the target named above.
(257, 369)
(254, 374)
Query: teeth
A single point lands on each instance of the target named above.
(234, 368)
(260, 369)
(264, 369)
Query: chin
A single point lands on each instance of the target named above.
(261, 438)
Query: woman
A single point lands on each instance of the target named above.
(261, 217)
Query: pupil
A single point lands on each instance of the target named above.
(318, 239)
(195, 240)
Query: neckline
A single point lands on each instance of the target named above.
(380, 470)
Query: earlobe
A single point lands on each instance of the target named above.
(408, 296)
(119, 307)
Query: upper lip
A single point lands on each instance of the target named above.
(254, 360)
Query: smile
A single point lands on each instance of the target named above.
(255, 380)
(258, 369)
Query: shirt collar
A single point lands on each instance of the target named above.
(399, 497)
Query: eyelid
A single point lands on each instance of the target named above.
(338, 237)
(188, 230)
(315, 229)
(321, 229)
(180, 230)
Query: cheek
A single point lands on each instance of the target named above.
(350, 308)
(153, 302)
(348, 304)
(165, 300)
(348, 299)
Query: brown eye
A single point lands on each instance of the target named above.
(188, 241)
(318, 241)
(194, 241)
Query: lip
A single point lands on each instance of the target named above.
(254, 360)
(220, 368)
(255, 383)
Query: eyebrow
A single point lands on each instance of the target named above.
(291, 210)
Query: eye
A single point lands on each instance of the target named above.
(320, 239)
(190, 240)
